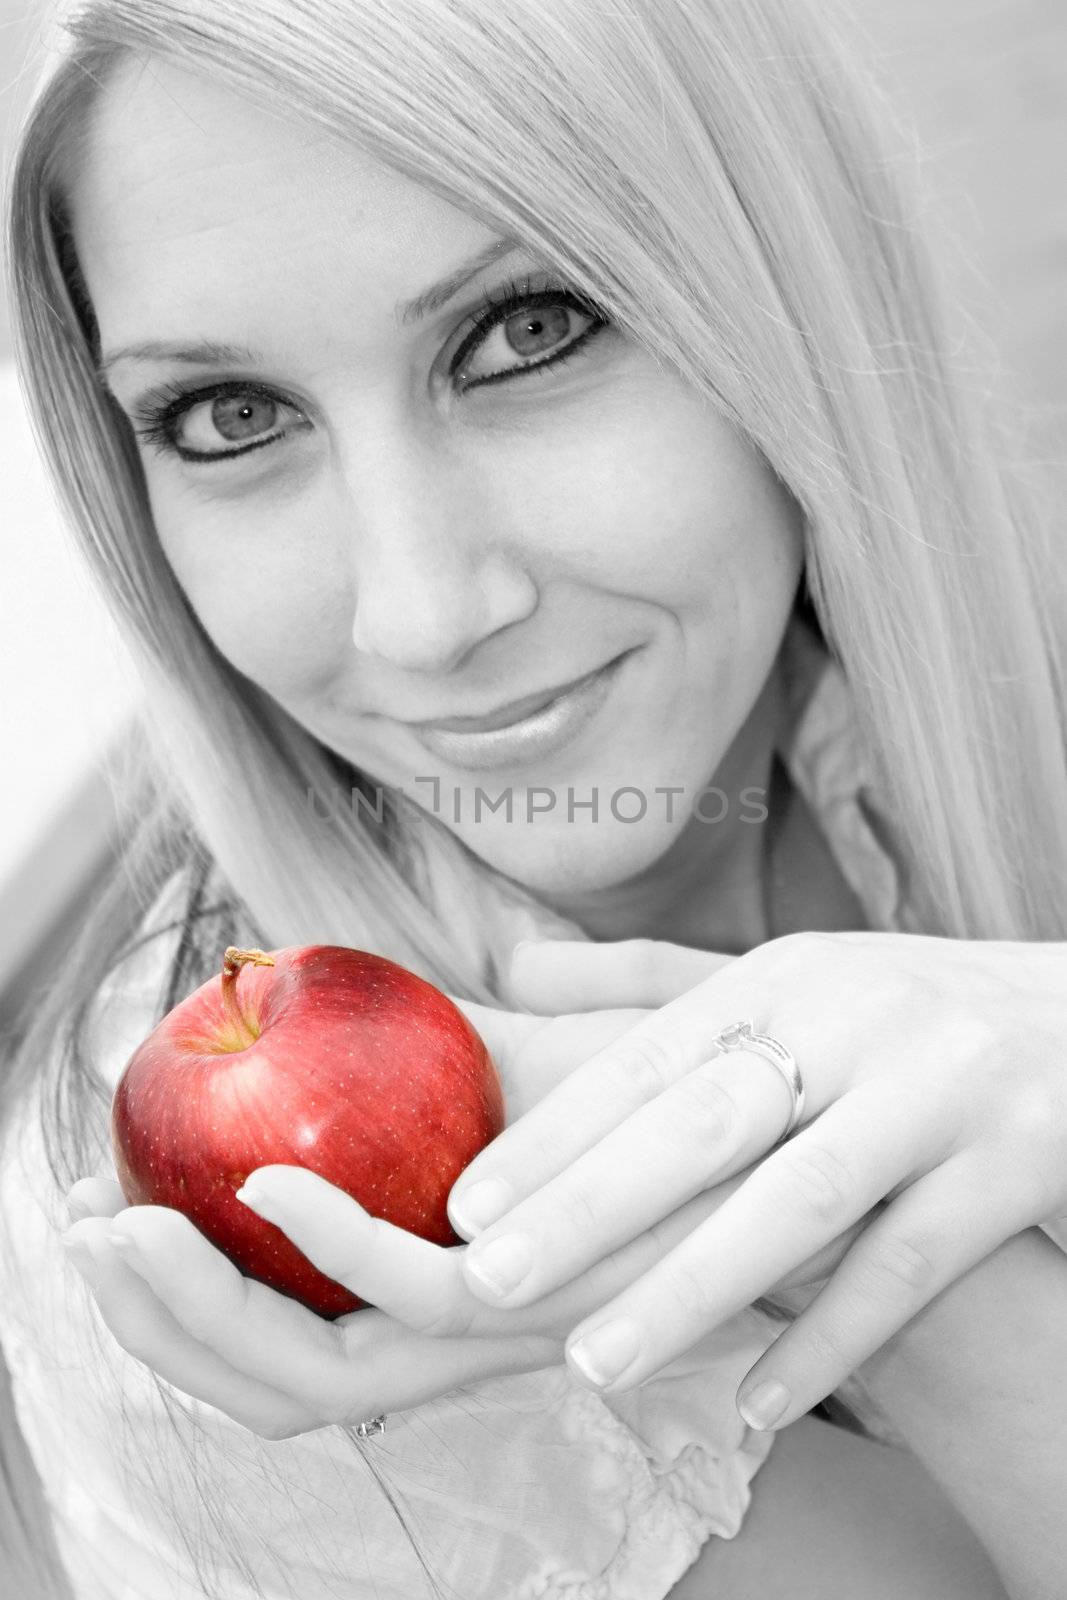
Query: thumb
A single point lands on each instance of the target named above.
(551, 976)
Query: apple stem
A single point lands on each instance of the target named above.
(232, 962)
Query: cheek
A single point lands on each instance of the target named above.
(677, 507)
(271, 604)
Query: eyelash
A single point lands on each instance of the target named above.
(159, 412)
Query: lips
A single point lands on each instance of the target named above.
(540, 735)
(515, 711)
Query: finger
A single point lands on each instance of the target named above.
(597, 1096)
(98, 1196)
(407, 1274)
(336, 1372)
(409, 1278)
(272, 1335)
(708, 1126)
(320, 1231)
(146, 1330)
(791, 1205)
(403, 1376)
(554, 975)
(795, 1291)
(923, 1241)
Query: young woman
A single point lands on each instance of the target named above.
(520, 444)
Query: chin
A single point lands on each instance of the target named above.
(572, 858)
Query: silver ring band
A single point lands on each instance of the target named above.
(739, 1036)
(367, 1430)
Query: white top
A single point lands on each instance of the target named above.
(516, 1488)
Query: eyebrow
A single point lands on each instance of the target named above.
(206, 351)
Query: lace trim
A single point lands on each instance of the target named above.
(667, 1515)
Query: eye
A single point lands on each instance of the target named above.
(524, 332)
(215, 423)
(520, 332)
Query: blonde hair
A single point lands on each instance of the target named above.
(728, 184)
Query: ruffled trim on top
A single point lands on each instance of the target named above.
(668, 1506)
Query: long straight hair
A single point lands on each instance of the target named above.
(729, 184)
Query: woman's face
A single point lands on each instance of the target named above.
(384, 518)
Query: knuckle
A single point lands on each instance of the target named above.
(643, 1066)
(816, 1175)
(702, 1109)
(540, 1159)
(689, 1288)
(583, 1212)
(824, 1349)
(536, 1157)
(1027, 1116)
(898, 1263)
(804, 963)
(904, 983)
(969, 1039)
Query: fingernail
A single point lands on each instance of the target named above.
(606, 1352)
(523, 944)
(502, 1263)
(256, 1199)
(764, 1405)
(480, 1205)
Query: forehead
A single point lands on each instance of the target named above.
(178, 171)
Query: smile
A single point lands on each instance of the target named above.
(529, 737)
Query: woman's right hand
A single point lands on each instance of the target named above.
(179, 1305)
(183, 1308)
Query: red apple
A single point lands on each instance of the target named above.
(315, 1056)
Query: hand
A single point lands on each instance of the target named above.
(936, 1128)
(182, 1307)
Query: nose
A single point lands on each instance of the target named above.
(433, 577)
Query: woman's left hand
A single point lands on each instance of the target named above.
(935, 1128)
